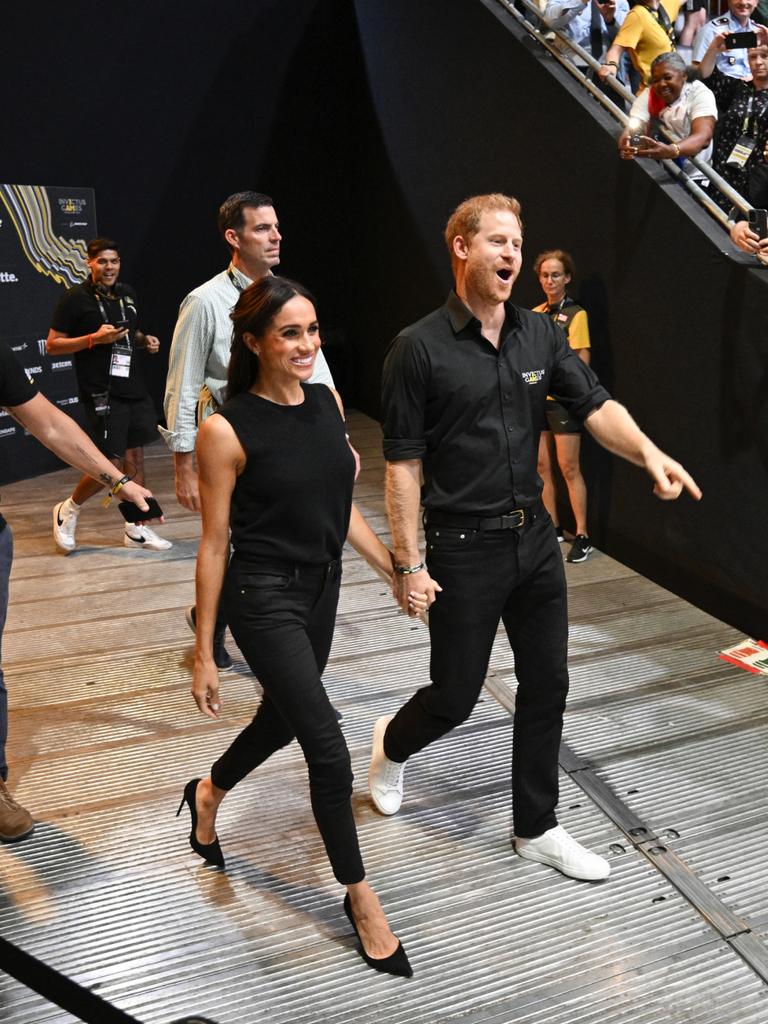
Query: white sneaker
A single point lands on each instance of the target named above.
(139, 536)
(560, 850)
(385, 777)
(64, 525)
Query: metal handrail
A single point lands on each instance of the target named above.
(618, 113)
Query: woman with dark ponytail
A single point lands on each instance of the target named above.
(276, 468)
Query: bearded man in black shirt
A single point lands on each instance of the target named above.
(464, 392)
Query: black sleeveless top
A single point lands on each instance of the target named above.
(293, 499)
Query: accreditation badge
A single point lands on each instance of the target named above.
(741, 152)
(120, 364)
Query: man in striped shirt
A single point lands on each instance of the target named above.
(199, 358)
(197, 367)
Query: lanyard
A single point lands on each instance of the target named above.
(661, 16)
(240, 288)
(552, 310)
(126, 341)
(748, 124)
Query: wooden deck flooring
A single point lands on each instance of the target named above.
(104, 736)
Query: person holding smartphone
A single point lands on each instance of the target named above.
(720, 49)
(97, 323)
(687, 110)
(742, 136)
(61, 435)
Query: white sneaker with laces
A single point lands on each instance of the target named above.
(385, 777)
(139, 536)
(560, 850)
(64, 525)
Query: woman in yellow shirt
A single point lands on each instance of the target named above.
(562, 436)
(646, 32)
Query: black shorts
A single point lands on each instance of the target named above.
(130, 423)
(559, 420)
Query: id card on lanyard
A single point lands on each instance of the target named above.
(120, 361)
(744, 146)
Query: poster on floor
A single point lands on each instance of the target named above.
(43, 234)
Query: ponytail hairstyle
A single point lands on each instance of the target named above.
(254, 314)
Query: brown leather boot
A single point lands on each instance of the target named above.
(15, 821)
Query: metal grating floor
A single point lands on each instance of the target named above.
(104, 736)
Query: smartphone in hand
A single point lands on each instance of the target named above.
(758, 222)
(740, 40)
(133, 514)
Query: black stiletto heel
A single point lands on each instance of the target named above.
(396, 963)
(210, 852)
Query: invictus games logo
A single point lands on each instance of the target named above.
(71, 205)
(532, 376)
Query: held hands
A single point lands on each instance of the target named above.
(108, 335)
(416, 592)
(205, 687)
(606, 70)
(669, 477)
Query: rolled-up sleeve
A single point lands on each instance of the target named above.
(574, 383)
(403, 399)
(192, 342)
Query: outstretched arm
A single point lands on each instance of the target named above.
(613, 427)
(59, 433)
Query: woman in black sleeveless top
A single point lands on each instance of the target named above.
(276, 469)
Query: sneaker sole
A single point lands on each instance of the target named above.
(584, 557)
(62, 546)
(144, 546)
(550, 863)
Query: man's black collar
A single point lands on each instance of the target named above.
(460, 315)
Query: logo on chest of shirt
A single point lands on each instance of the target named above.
(532, 376)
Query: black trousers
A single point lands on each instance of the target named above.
(282, 617)
(515, 576)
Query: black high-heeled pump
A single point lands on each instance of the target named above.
(210, 852)
(396, 963)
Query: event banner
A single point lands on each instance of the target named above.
(43, 234)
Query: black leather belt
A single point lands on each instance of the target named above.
(514, 520)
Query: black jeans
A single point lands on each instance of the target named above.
(282, 617)
(515, 576)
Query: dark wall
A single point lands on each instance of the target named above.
(166, 108)
(679, 326)
(369, 120)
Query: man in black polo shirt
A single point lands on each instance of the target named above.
(56, 431)
(97, 323)
(464, 394)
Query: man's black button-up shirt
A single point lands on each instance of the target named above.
(472, 413)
